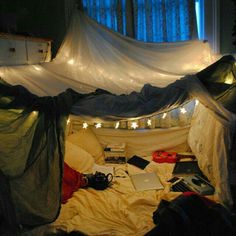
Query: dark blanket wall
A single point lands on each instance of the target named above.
(220, 80)
(31, 153)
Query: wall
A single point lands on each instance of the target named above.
(227, 18)
(41, 18)
(219, 20)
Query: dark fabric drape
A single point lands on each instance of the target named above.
(152, 99)
(125, 18)
(219, 79)
(32, 149)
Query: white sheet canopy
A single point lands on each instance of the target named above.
(92, 57)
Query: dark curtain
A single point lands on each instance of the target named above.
(32, 132)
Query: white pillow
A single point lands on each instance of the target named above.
(86, 139)
(78, 159)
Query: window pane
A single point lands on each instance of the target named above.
(154, 20)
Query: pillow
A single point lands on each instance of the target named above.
(78, 159)
(86, 139)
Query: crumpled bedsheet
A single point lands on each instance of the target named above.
(119, 210)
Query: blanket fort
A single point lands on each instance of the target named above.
(33, 116)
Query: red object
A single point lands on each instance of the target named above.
(162, 156)
(207, 201)
(72, 181)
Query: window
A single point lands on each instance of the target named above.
(103, 11)
(153, 20)
(199, 7)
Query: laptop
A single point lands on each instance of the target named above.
(186, 168)
(146, 181)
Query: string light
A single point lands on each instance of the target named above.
(71, 62)
(98, 125)
(85, 125)
(68, 121)
(229, 80)
(35, 112)
(164, 115)
(149, 122)
(37, 68)
(134, 125)
(183, 110)
(117, 125)
(196, 102)
(137, 123)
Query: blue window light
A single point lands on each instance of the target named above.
(150, 17)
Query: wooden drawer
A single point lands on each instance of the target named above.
(12, 52)
(21, 50)
(38, 51)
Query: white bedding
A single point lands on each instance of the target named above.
(118, 210)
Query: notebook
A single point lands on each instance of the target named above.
(138, 162)
(146, 181)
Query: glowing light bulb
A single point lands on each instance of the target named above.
(98, 125)
(164, 115)
(196, 102)
(68, 121)
(117, 125)
(35, 112)
(71, 62)
(229, 80)
(149, 122)
(134, 125)
(183, 110)
(37, 68)
(85, 125)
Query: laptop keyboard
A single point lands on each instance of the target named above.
(180, 187)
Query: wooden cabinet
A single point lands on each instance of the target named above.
(20, 50)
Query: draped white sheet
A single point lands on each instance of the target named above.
(210, 137)
(92, 56)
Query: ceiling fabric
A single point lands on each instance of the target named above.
(92, 56)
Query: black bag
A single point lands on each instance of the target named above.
(191, 215)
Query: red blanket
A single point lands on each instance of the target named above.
(72, 181)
